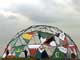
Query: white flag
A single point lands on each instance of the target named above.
(52, 43)
(42, 40)
(62, 36)
(4, 55)
(41, 49)
(62, 49)
(57, 40)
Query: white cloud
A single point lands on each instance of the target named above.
(7, 4)
(60, 13)
(8, 13)
(46, 9)
(12, 14)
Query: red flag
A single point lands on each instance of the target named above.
(73, 48)
(32, 51)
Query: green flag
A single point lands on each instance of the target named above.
(18, 50)
(44, 34)
(38, 54)
(58, 55)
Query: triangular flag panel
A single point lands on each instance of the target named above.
(27, 36)
(44, 34)
(38, 55)
(41, 55)
(58, 55)
(32, 51)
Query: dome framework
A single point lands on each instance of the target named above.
(41, 42)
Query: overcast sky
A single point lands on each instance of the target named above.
(16, 15)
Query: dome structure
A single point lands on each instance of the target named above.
(41, 42)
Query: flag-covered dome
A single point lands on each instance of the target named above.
(41, 42)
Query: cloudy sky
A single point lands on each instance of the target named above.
(16, 15)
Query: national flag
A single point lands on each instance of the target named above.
(42, 40)
(38, 55)
(62, 36)
(53, 43)
(44, 37)
(18, 50)
(57, 34)
(73, 49)
(4, 55)
(41, 54)
(62, 49)
(41, 49)
(50, 41)
(17, 54)
(32, 51)
(57, 40)
(57, 55)
(43, 34)
(65, 42)
(27, 36)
